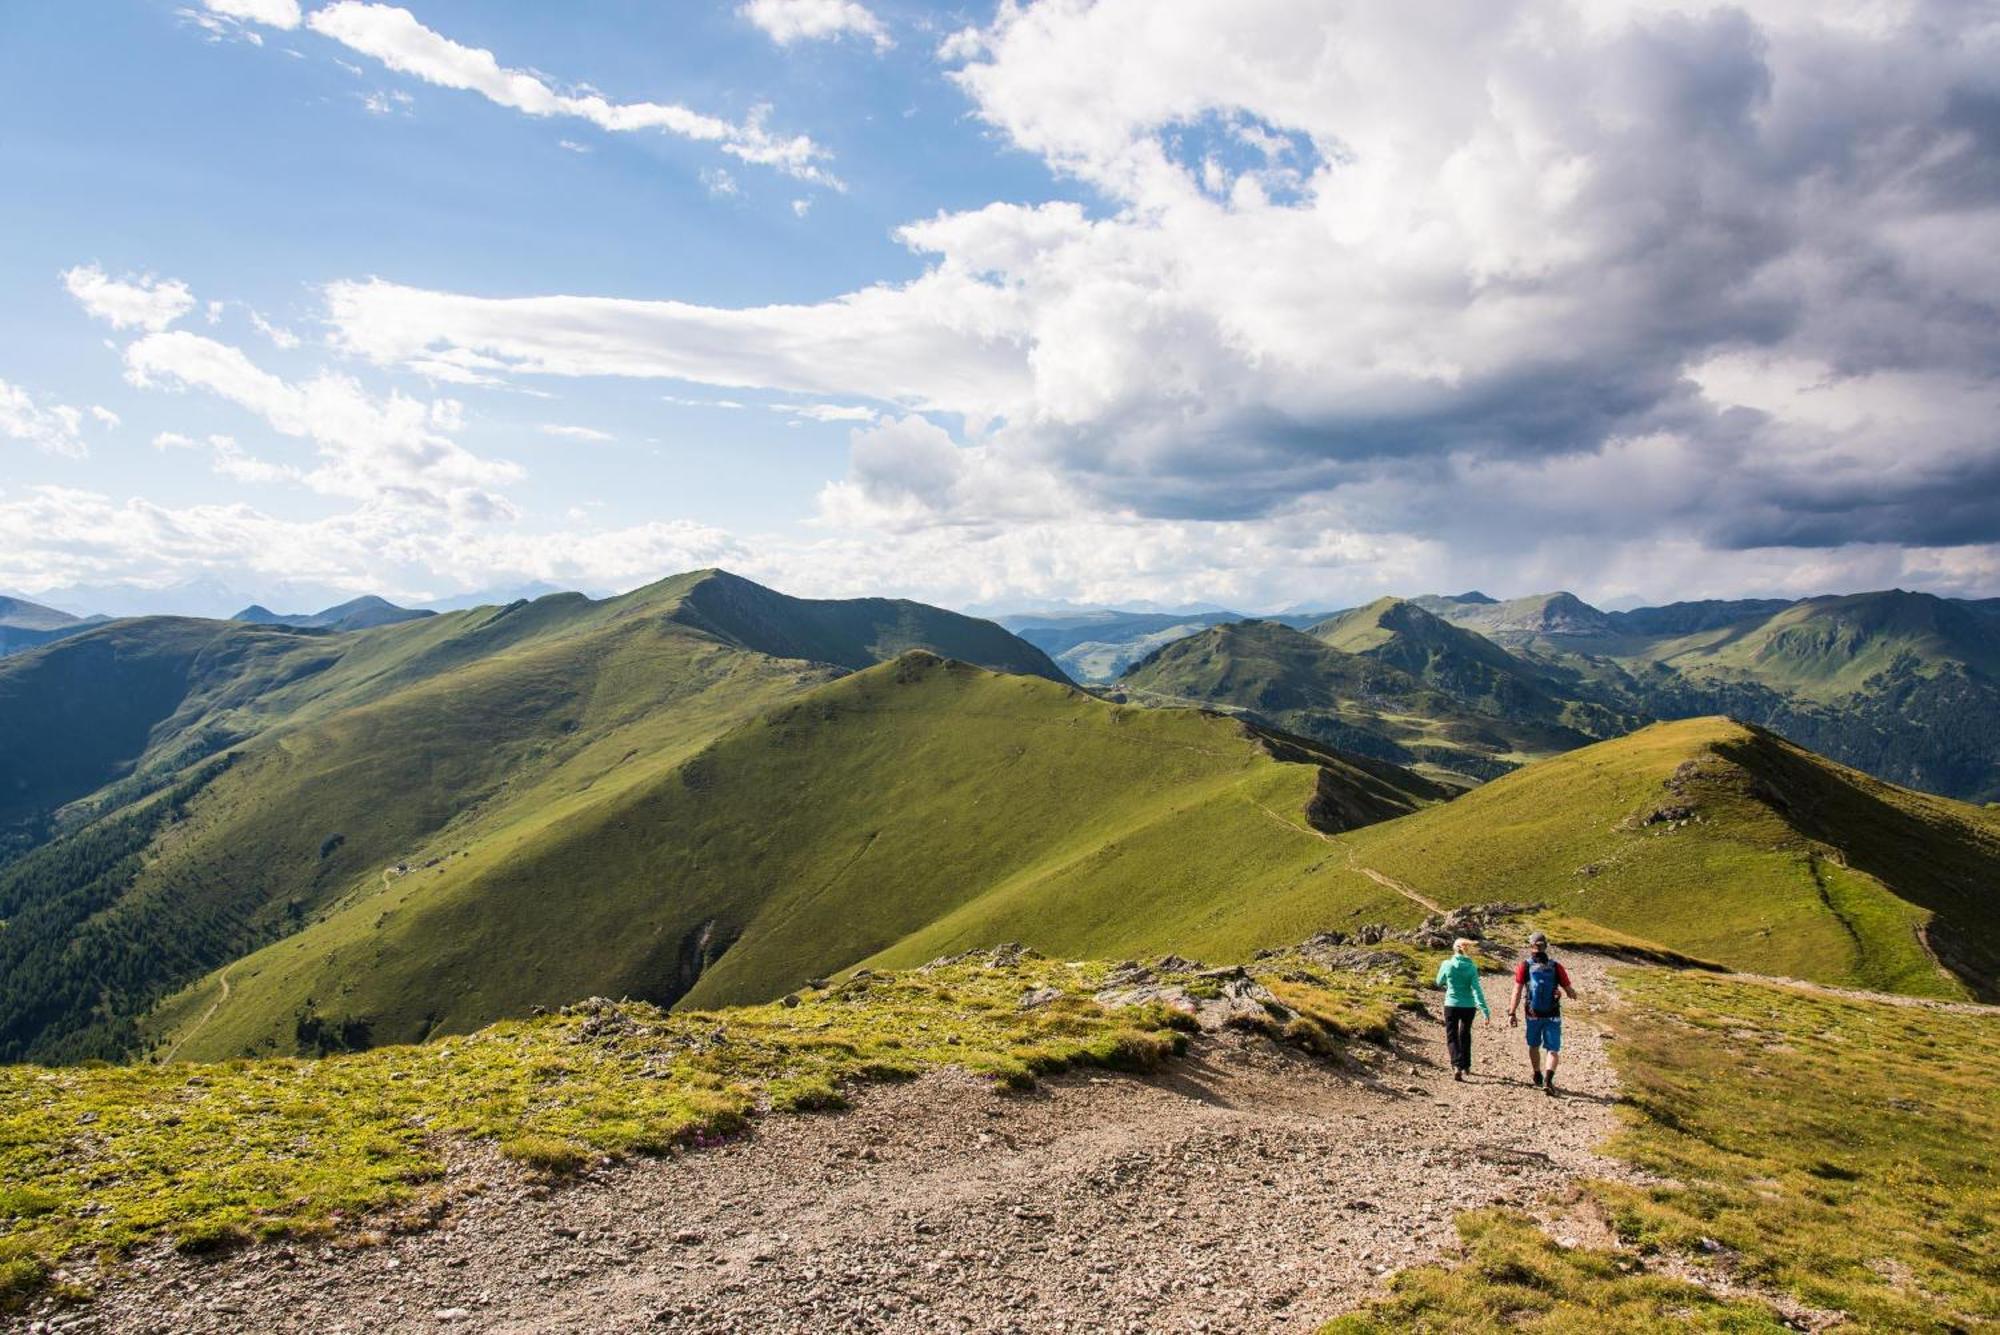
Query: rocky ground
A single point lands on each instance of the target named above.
(1248, 1187)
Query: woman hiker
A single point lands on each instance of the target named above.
(1459, 977)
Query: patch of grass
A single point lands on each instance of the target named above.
(1516, 1277)
(1839, 1149)
(551, 1155)
(96, 1161)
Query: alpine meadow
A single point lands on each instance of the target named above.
(789, 665)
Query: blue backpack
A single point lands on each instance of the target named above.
(1543, 999)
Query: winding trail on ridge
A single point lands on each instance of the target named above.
(1244, 1187)
(1382, 879)
(206, 1015)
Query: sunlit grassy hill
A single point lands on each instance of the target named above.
(1728, 843)
(916, 807)
(212, 786)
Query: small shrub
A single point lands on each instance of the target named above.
(547, 1154)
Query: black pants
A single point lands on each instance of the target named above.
(1458, 1034)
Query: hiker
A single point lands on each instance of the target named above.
(1541, 980)
(1458, 975)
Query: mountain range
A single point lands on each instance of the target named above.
(356, 614)
(230, 836)
(1903, 685)
(25, 625)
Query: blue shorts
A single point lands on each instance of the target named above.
(1546, 1034)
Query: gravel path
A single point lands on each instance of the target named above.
(1246, 1188)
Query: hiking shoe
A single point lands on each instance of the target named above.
(1458, 1075)
(1549, 1087)
(1538, 1080)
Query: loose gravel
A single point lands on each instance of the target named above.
(1248, 1187)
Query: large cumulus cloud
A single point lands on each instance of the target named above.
(1451, 269)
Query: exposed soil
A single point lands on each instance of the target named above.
(1248, 1187)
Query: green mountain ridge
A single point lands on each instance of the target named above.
(1905, 685)
(348, 754)
(909, 808)
(1357, 701)
(1729, 843)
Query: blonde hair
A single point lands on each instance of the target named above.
(1463, 946)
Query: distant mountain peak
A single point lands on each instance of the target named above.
(361, 613)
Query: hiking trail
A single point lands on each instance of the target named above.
(1382, 879)
(1244, 1187)
(196, 1027)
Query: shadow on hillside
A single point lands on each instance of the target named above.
(1922, 849)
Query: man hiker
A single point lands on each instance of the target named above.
(1541, 980)
(1459, 977)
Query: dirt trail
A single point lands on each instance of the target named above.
(1247, 1187)
(206, 1015)
(1879, 998)
(1382, 879)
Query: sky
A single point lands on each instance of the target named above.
(1252, 303)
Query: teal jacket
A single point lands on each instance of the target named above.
(1459, 977)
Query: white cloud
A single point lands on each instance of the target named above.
(965, 44)
(576, 432)
(941, 342)
(228, 459)
(52, 428)
(105, 416)
(279, 336)
(274, 13)
(720, 183)
(133, 302)
(801, 207)
(826, 412)
(393, 36)
(684, 402)
(572, 146)
(368, 446)
(387, 102)
(1429, 316)
(53, 536)
(788, 21)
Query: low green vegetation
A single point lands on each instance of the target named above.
(1725, 843)
(97, 1160)
(1831, 1149)
(1835, 1148)
(914, 810)
(1514, 1276)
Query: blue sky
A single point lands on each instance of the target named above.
(998, 306)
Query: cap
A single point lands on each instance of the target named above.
(1538, 938)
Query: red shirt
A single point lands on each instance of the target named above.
(1562, 978)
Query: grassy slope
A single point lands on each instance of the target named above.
(909, 809)
(460, 734)
(1824, 648)
(1791, 864)
(1835, 1149)
(1472, 669)
(1351, 699)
